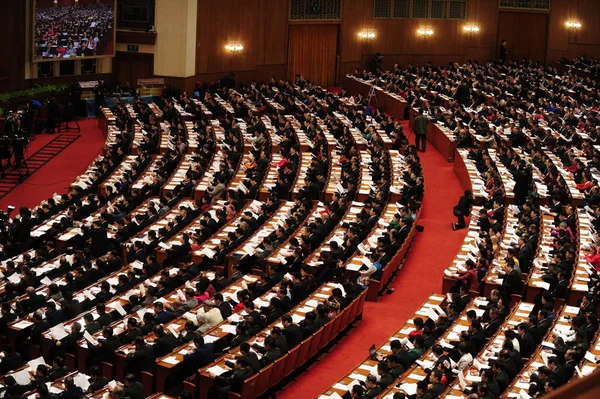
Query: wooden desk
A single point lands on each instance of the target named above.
(561, 327)
(179, 174)
(278, 256)
(468, 175)
(208, 248)
(116, 302)
(495, 273)
(161, 222)
(519, 314)
(397, 173)
(577, 196)
(298, 313)
(186, 116)
(203, 108)
(201, 188)
(535, 284)
(331, 141)
(250, 245)
(147, 176)
(337, 235)
(166, 364)
(356, 262)
(224, 104)
(508, 183)
(177, 239)
(87, 178)
(18, 259)
(442, 139)
(156, 111)
(407, 382)
(120, 326)
(369, 365)
(22, 325)
(111, 138)
(40, 270)
(303, 168)
(175, 326)
(126, 166)
(581, 275)
(270, 179)
(468, 250)
(138, 138)
(391, 103)
(38, 232)
(105, 119)
(335, 175)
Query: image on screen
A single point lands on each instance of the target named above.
(71, 29)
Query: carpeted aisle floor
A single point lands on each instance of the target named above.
(57, 175)
(421, 275)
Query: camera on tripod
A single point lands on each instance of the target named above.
(66, 115)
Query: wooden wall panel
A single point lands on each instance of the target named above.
(398, 41)
(312, 52)
(588, 13)
(275, 23)
(356, 16)
(221, 22)
(261, 26)
(563, 42)
(12, 32)
(558, 34)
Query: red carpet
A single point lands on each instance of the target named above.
(57, 175)
(421, 275)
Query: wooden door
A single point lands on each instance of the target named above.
(312, 52)
(526, 34)
(129, 67)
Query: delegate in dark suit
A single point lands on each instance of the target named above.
(420, 128)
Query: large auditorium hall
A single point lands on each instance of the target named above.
(328, 199)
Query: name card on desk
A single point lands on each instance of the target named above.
(431, 314)
(409, 389)
(171, 360)
(88, 337)
(58, 332)
(590, 357)
(228, 328)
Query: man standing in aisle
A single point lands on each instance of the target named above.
(462, 209)
(503, 52)
(420, 128)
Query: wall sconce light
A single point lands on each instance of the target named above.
(234, 47)
(367, 34)
(471, 28)
(573, 24)
(425, 32)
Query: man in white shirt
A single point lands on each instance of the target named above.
(208, 316)
(465, 358)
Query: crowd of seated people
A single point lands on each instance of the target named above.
(115, 219)
(73, 31)
(550, 120)
(587, 65)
